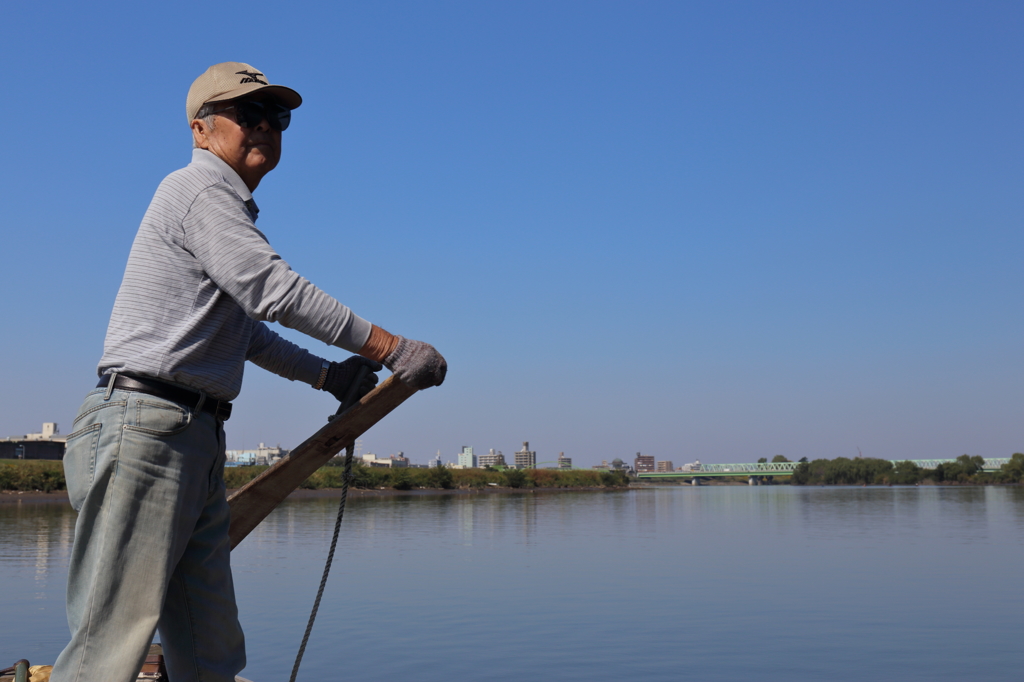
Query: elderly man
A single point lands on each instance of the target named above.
(145, 460)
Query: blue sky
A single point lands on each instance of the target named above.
(697, 230)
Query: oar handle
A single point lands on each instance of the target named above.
(251, 503)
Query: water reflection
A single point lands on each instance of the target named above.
(1015, 496)
(35, 543)
(823, 583)
(36, 534)
(466, 523)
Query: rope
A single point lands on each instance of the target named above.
(349, 401)
(330, 558)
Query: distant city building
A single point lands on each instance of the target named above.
(526, 458)
(692, 466)
(665, 467)
(643, 463)
(492, 459)
(564, 462)
(399, 461)
(262, 455)
(48, 444)
(50, 432)
(615, 465)
(467, 460)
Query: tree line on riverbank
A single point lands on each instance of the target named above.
(48, 476)
(443, 478)
(869, 471)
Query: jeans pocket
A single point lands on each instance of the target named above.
(80, 463)
(158, 417)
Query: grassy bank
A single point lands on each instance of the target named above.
(43, 475)
(48, 476)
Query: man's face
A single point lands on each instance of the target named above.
(251, 152)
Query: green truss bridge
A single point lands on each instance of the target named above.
(758, 469)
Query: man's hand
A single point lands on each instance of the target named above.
(340, 376)
(416, 364)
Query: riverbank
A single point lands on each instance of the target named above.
(39, 497)
(47, 476)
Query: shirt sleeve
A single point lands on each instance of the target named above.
(282, 357)
(240, 261)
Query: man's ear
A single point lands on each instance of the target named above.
(200, 132)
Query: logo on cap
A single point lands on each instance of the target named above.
(252, 77)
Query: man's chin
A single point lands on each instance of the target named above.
(261, 162)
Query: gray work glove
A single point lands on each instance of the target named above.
(340, 376)
(417, 364)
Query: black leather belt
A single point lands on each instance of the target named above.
(221, 409)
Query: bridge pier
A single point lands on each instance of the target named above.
(694, 481)
(752, 480)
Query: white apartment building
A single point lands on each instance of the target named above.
(492, 459)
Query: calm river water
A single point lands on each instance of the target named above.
(711, 583)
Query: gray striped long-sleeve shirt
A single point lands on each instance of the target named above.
(201, 280)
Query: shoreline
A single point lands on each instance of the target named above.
(39, 497)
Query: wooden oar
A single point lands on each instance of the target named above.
(251, 503)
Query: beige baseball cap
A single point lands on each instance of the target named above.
(230, 80)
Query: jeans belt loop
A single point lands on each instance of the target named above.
(110, 386)
(202, 399)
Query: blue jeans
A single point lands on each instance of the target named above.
(146, 476)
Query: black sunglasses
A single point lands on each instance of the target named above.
(250, 114)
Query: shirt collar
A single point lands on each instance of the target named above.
(207, 159)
